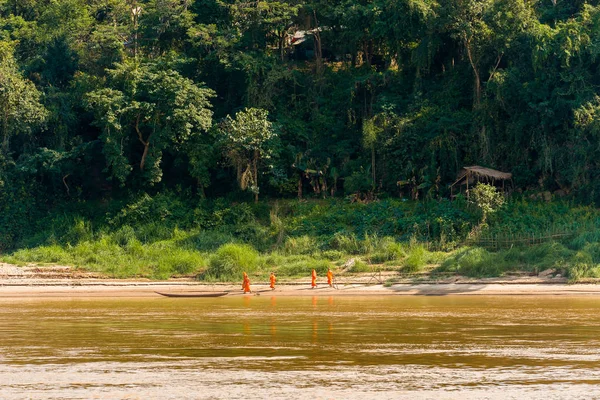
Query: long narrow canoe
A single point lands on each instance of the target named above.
(193, 294)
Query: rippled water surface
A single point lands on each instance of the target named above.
(291, 348)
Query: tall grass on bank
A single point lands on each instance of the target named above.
(230, 260)
(162, 236)
(574, 264)
(159, 260)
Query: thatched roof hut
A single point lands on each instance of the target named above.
(472, 175)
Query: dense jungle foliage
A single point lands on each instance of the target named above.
(105, 103)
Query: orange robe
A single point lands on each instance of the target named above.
(313, 282)
(246, 284)
(272, 279)
(329, 278)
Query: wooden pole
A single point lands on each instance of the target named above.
(467, 184)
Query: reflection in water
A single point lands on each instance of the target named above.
(394, 347)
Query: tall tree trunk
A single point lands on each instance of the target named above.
(324, 186)
(239, 172)
(64, 179)
(135, 12)
(316, 185)
(300, 186)
(483, 139)
(476, 76)
(334, 187)
(317, 45)
(144, 155)
(255, 173)
(146, 143)
(373, 165)
(281, 45)
(367, 52)
(201, 190)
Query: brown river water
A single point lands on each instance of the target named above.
(263, 347)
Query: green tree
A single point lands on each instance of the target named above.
(486, 29)
(202, 152)
(21, 109)
(371, 131)
(249, 142)
(147, 110)
(487, 199)
(164, 25)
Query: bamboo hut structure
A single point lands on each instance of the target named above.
(470, 176)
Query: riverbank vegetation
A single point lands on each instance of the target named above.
(164, 137)
(163, 236)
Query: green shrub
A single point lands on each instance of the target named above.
(180, 263)
(230, 260)
(134, 259)
(416, 259)
(480, 262)
(254, 234)
(332, 255)
(79, 231)
(348, 243)
(304, 267)
(207, 240)
(151, 232)
(42, 254)
(236, 214)
(387, 249)
(593, 249)
(543, 256)
(162, 208)
(487, 199)
(360, 266)
(368, 244)
(581, 266)
(470, 262)
(124, 236)
(360, 181)
(300, 245)
(580, 241)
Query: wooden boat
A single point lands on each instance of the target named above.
(193, 294)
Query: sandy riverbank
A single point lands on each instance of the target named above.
(149, 289)
(53, 281)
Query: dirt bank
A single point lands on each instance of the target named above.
(59, 281)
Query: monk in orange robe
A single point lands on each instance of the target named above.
(246, 283)
(313, 283)
(329, 277)
(272, 279)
